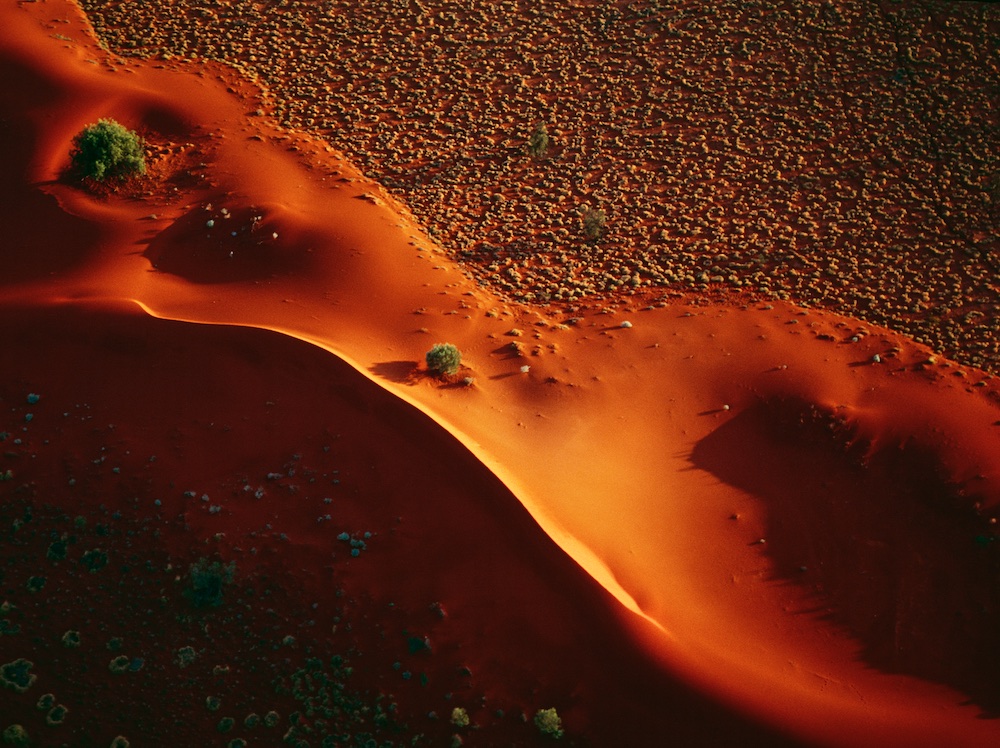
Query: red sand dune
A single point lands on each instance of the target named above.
(772, 533)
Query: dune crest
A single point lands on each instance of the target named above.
(661, 455)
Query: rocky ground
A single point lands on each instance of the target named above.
(841, 155)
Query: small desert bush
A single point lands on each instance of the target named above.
(548, 723)
(444, 359)
(119, 664)
(185, 656)
(538, 143)
(56, 715)
(207, 581)
(107, 150)
(17, 736)
(17, 675)
(459, 717)
(593, 223)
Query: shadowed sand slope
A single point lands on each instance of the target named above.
(631, 437)
(291, 448)
(880, 534)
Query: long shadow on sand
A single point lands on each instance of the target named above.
(879, 536)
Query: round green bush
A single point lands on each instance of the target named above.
(548, 723)
(444, 359)
(119, 664)
(17, 675)
(107, 150)
(16, 735)
(56, 715)
(120, 741)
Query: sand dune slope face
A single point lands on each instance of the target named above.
(357, 527)
(785, 511)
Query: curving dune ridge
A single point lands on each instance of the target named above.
(739, 528)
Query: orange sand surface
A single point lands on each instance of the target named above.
(782, 521)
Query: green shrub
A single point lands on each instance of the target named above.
(106, 150)
(207, 581)
(444, 359)
(593, 223)
(17, 736)
(538, 143)
(225, 724)
(185, 656)
(548, 723)
(71, 639)
(56, 715)
(17, 676)
(94, 560)
(57, 550)
(119, 664)
(120, 741)
(459, 717)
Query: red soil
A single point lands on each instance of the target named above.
(634, 593)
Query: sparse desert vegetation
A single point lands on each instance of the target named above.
(838, 154)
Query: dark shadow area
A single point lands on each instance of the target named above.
(882, 538)
(212, 246)
(510, 350)
(428, 499)
(40, 238)
(401, 372)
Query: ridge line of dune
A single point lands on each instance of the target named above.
(576, 549)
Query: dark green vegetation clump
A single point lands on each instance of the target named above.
(207, 581)
(16, 735)
(107, 150)
(444, 359)
(56, 715)
(17, 675)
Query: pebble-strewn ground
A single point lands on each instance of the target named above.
(840, 154)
